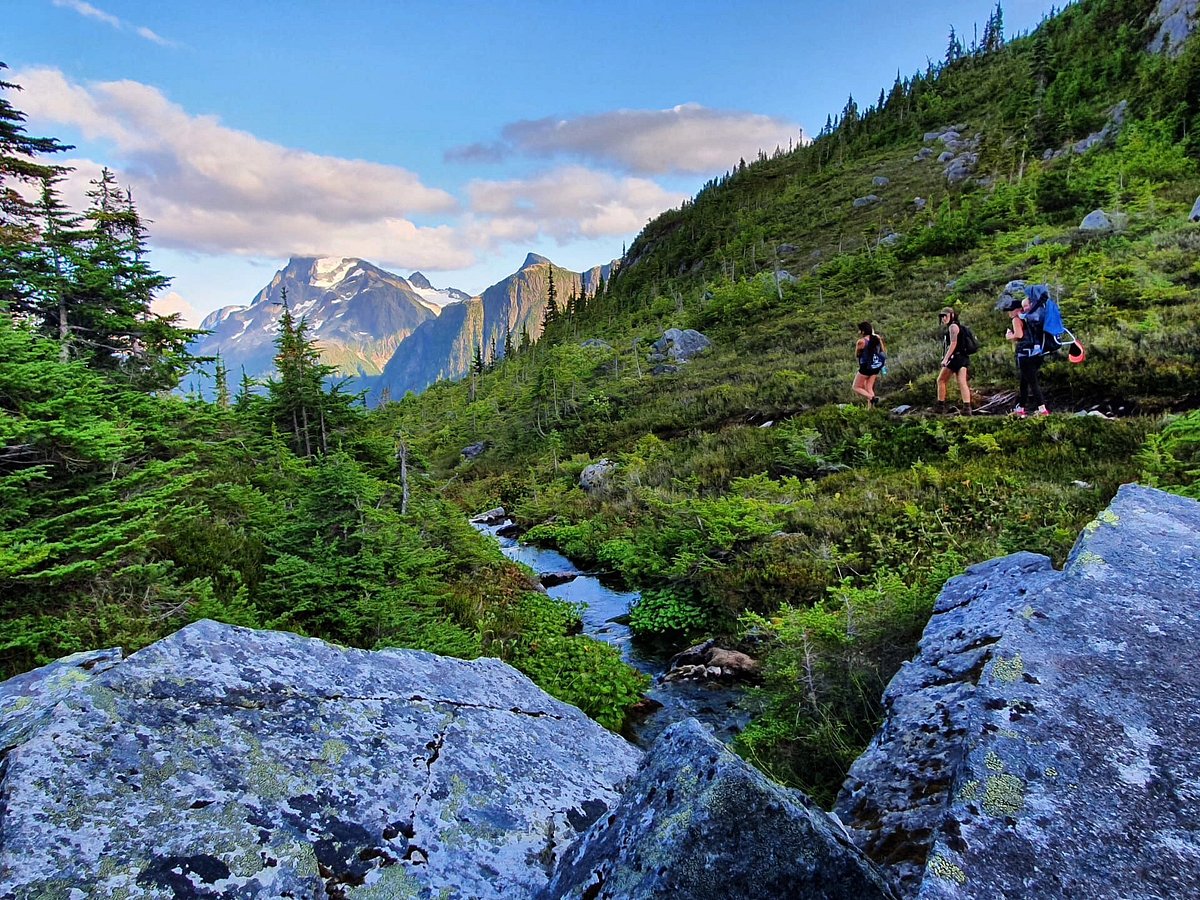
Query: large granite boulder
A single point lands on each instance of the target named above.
(597, 477)
(700, 823)
(1046, 740)
(1194, 215)
(679, 345)
(224, 762)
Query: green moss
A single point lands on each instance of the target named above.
(1108, 517)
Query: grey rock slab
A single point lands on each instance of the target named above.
(699, 823)
(27, 700)
(783, 276)
(1194, 215)
(1097, 220)
(880, 181)
(860, 202)
(225, 762)
(1043, 743)
(1176, 21)
(681, 345)
(897, 792)
(945, 156)
(596, 344)
(596, 477)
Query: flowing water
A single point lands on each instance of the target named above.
(716, 705)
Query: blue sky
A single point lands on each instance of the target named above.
(450, 137)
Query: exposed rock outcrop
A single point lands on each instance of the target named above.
(679, 345)
(699, 823)
(1043, 743)
(1176, 21)
(597, 476)
(225, 762)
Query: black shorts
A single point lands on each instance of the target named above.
(867, 371)
(958, 361)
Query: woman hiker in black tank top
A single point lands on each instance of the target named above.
(869, 351)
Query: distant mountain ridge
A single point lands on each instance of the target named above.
(445, 347)
(396, 334)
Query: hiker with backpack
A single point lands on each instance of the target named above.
(1029, 337)
(871, 353)
(958, 342)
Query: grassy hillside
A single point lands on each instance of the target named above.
(752, 498)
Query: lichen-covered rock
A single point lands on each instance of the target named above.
(224, 762)
(881, 181)
(491, 517)
(597, 476)
(699, 823)
(679, 345)
(860, 202)
(27, 701)
(1045, 740)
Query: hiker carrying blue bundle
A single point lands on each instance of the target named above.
(1032, 340)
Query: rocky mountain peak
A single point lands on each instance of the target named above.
(417, 280)
(534, 259)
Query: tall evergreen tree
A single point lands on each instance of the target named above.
(299, 403)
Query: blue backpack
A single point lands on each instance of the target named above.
(1044, 328)
(872, 355)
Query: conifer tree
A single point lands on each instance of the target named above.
(550, 316)
(299, 403)
(508, 344)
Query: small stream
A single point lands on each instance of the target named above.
(716, 705)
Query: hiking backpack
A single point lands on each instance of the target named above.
(967, 342)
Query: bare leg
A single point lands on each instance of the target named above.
(871, 379)
(861, 386)
(942, 381)
(963, 387)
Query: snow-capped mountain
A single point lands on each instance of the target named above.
(435, 299)
(356, 313)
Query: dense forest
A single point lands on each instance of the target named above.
(751, 499)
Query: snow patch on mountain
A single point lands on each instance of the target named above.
(330, 270)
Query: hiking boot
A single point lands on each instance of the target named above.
(873, 403)
(1042, 411)
(1019, 412)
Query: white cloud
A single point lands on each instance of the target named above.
(684, 139)
(568, 203)
(208, 187)
(175, 303)
(88, 11)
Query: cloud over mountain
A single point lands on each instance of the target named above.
(212, 188)
(686, 139)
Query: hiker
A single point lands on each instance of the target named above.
(1026, 336)
(871, 354)
(958, 344)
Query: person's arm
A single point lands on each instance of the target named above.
(1017, 331)
(882, 345)
(952, 346)
(858, 347)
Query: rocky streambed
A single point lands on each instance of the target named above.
(701, 682)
